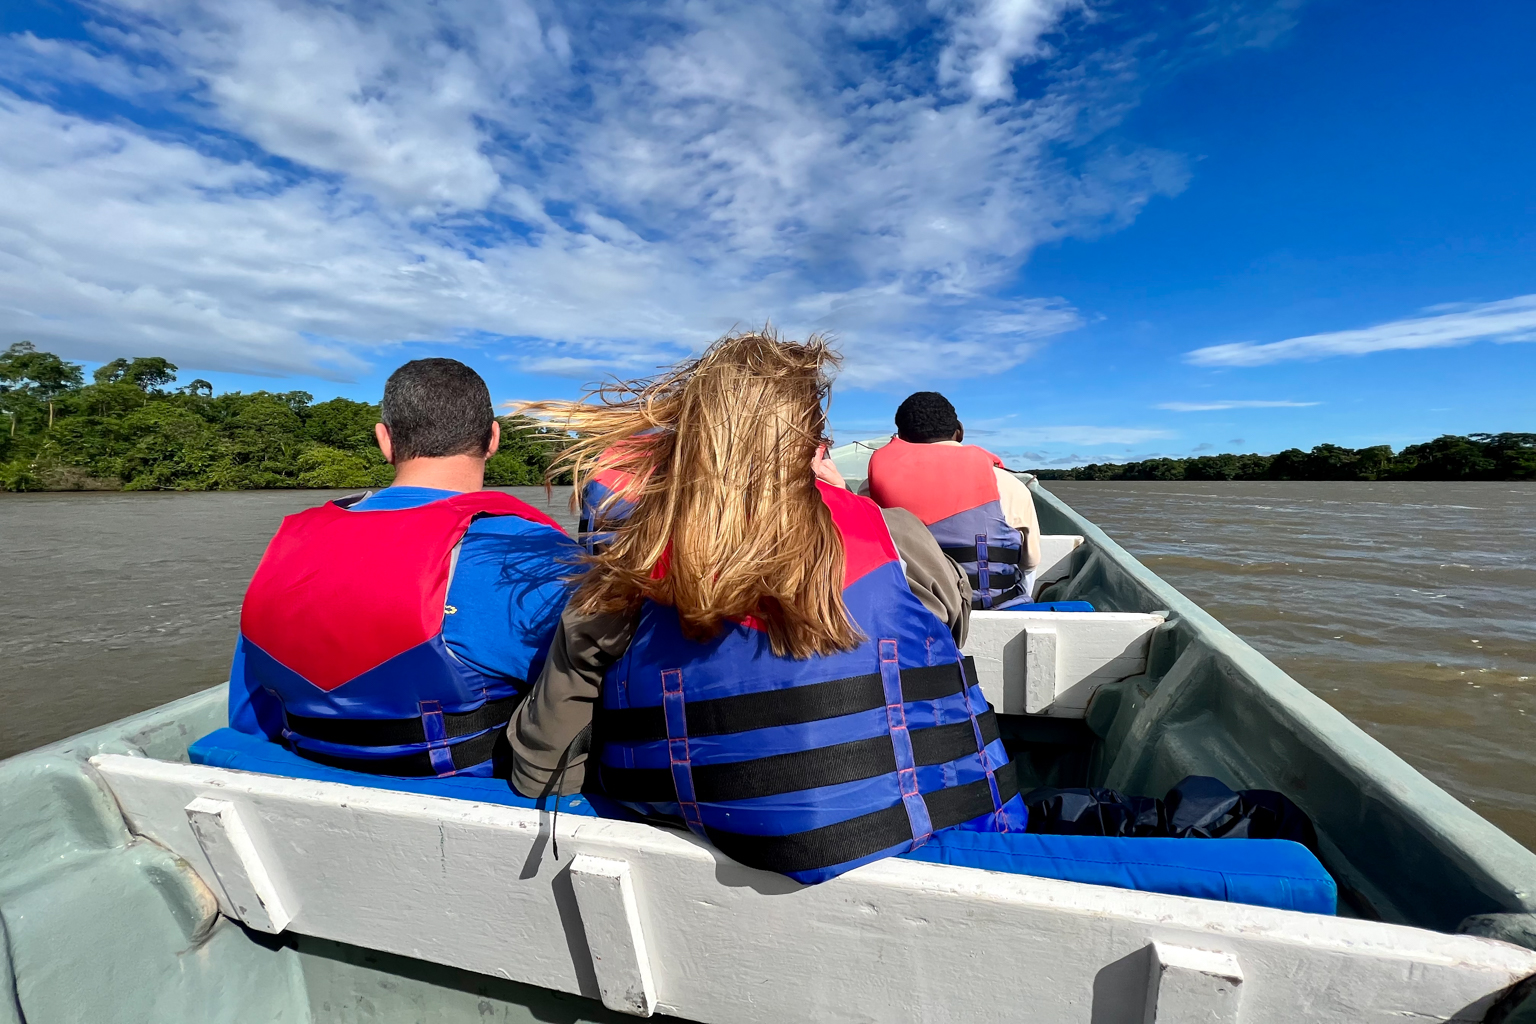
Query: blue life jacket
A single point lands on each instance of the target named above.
(346, 644)
(809, 767)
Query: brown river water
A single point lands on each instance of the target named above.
(1409, 607)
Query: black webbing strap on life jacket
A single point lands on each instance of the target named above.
(413, 766)
(996, 554)
(1007, 594)
(865, 835)
(393, 732)
(793, 705)
(801, 770)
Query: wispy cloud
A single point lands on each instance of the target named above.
(1446, 327)
(1234, 404)
(569, 185)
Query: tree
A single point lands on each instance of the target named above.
(23, 367)
(1447, 457)
(147, 373)
(28, 376)
(1514, 455)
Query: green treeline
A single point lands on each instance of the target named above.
(1449, 457)
(129, 429)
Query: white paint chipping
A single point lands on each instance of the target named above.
(610, 916)
(1041, 666)
(476, 886)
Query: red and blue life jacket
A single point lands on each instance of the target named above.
(953, 490)
(604, 502)
(608, 497)
(810, 767)
(343, 625)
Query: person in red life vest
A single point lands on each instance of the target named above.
(760, 655)
(608, 488)
(982, 515)
(394, 632)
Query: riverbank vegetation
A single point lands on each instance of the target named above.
(1448, 457)
(130, 428)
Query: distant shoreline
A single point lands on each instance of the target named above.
(1491, 457)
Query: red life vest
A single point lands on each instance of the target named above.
(343, 624)
(953, 490)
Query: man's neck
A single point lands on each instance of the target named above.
(462, 473)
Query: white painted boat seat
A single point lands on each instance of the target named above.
(1055, 558)
(1270, 874)
(654, 921)
(1050, 663)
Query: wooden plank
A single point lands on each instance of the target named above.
(477, 886)
(242, 881)
(1192, 986)
(1020, 676)
(1040, 667)
(1055, 558)
(610, 917)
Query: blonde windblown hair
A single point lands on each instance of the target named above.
(727, 522)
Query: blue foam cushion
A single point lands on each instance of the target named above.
(1052, 606)
(1264, 872)
(241, 751)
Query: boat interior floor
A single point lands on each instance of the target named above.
(1048, 751)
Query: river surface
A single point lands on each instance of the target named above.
(1409, 607)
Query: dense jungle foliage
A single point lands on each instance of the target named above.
(130, 429)
(1448, 457)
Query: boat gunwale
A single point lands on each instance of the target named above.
(1464, 836)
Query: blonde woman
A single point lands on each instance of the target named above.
(773, 661)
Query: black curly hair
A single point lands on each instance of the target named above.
(926, 416)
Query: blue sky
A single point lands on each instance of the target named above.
(1106, 229)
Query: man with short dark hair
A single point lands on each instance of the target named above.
(394, 632)
(982, 515)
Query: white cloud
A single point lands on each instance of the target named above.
(1220, 405)
(578, 190)
(1449, 326)
(990, 36)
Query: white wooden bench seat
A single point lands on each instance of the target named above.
(1055, 558)
(651, 920)
(1050, 663)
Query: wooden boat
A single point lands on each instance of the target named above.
(136, 886)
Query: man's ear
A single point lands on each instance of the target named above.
(495, 438)
(960, 433)
(386, 443)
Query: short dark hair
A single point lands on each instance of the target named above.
(926, 416)
(435, 408)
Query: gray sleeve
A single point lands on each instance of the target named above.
(933, 576)
(551, 730)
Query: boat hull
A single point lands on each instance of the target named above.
(137, 887)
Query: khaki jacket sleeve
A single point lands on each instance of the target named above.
(933, 576)
(1019, 510)
(551, 730)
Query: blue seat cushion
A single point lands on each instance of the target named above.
(1262, 872)
(228, 748)
(1052, 606)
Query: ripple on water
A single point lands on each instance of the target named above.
(1405, 606)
